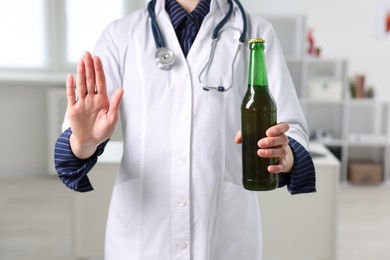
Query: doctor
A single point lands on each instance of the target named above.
(178, 193)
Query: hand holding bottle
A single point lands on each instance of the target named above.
(275, 145)
(91, 114)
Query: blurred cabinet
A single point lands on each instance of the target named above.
(353, 129)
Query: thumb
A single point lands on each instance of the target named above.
(116, 100)
(238, 138)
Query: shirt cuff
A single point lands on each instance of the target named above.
(301, 178)
(72, 170)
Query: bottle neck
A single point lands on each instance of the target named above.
(257, 69)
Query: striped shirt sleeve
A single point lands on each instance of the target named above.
(72, 170)
(302, 178)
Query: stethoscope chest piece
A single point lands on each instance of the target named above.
(164, 58)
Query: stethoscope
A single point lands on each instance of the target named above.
(165, 57)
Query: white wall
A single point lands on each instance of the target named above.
(343, 29)
(22, 129)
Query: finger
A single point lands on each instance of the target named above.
(100, 78)
(115, 103)
(278, 129)
(238, 138)
(269, 142)
(277, 152)
(89, 73)
(80, 81)
(281, 166)
(70, 93)
(275, 168)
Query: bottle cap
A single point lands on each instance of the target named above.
(256, 40)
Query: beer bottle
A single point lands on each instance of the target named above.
(258, 113)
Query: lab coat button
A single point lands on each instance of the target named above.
(182, 245)
(182, 203)
(183, 160)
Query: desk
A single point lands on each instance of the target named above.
(294, 227)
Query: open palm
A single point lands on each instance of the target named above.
(91, 114)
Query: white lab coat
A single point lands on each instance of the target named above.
(178, 194)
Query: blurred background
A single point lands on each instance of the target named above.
(338, 53)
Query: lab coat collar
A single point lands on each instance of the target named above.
(222, 5)
(160, 7)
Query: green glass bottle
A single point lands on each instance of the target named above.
(258, 113)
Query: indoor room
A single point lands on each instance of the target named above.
(327, 64)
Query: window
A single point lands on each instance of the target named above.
(23, 34)
(48, 36)
(85, 21)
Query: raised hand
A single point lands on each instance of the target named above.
(92, 116)
(275, 145)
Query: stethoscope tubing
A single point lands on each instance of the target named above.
(223, 21)
(169, 55)
(157, 35)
